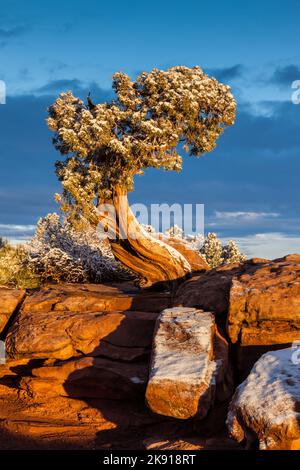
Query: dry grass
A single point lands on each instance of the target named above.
(14, 268)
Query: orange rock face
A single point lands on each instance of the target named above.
(79, 359)
(208, 291)
(264, 309)
(36, 417)
(259, 298)
(94, 298)
(9, 301)
(264, 305)
(64, 321)
(62, 335)
(50, 399)
(88, 378)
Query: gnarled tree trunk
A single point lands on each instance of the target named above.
(154, 261)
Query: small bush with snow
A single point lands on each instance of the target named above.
(59, 252)
(232, 254)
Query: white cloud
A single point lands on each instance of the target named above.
(16, 228)
(17, 233)
(268, 245)
(240, 215)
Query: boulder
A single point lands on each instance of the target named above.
(68, 320)
(259, 299)
(184, 371)
(264, 304)
(208, 290)
(85, 298)
(265, 407)
(264, 310)
(88, 377)
(65, 334)
(9, 301)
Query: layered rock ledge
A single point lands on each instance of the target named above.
(10, 299)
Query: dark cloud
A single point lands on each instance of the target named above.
(57, 85)
(77, 87)
(27, 180)
(284, 76)
(255, 167)
(227, 73)
(272, 134)
(223, 74)
(27, 156)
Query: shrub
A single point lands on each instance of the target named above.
(212, 250)
(232, 254)
(215, 254)
(59, 252)
(14, 268)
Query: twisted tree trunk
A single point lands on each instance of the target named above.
(154, 261)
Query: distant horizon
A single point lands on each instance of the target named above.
(261, 245)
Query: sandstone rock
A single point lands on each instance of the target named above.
(264, 304)
(69, 320)
(88, 378)
(9, 301)
(42, 421)
(64, 334)
(85, 298)
(266, 405)
(196, 261)
(209, 290)
(264, 310)
(260, 298)
(184, 372)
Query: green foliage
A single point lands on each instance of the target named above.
(105, 145)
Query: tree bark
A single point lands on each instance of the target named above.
(155, 262)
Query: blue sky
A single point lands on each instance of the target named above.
(249, 184)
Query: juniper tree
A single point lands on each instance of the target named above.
(212, 250)
(147, 125)
(231, 253)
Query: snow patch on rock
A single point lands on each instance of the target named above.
(268, 402)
